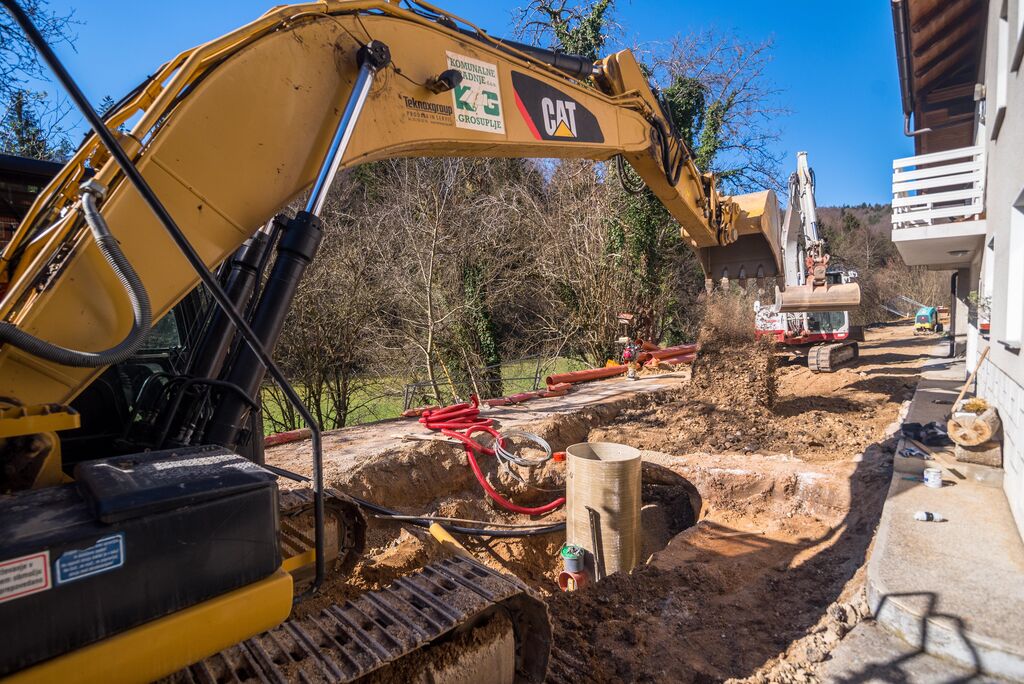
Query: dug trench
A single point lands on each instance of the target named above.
(762, 490)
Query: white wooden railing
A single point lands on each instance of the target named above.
(942, 187)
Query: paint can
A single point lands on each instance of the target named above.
(933, 477)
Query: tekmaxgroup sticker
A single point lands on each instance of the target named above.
(477, 99)
(428, 112)
(105, 555)
(550, 114)
(24, 576)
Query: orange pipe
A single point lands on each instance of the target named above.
(668, 352)
(287, 437)
(417, 412)
(585, 375)
(673, 360)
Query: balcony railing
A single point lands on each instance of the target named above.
(937, 188)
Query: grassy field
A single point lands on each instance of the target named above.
(384, 399)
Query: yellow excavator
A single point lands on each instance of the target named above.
(142, 535)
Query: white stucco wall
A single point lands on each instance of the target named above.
(1002, 379)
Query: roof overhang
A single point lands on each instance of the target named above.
(938, 53)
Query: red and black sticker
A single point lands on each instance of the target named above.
(553, 115)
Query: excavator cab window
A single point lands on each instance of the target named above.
(826, 321)
(121, 409)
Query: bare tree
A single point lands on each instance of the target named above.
(34, 127)
(572, 27)
(19, 61)
(736, 127)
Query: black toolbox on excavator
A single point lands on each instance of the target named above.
(133, 539)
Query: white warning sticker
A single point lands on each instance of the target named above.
(477, 99)
(23, 576)
(105, 555)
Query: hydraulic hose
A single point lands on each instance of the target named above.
(141, 310)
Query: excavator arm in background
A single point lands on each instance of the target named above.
(805, 256)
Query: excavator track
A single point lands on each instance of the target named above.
(389, 635)
(344, 527)
(825, 358)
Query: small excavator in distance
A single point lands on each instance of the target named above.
(142, 533)
(809, 324)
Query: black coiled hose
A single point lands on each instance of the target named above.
(143, 314)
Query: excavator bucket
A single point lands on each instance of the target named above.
(755, 252)
(817, 298)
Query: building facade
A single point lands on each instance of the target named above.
(959, 203)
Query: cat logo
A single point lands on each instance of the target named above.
(559, 117)
(551, 114)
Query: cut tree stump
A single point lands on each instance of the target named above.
(969, 430)
(988, 454)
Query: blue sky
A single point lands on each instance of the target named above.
(833, 61)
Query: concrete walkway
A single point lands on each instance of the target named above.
(872, 654)
(346, 449)
(953, 589)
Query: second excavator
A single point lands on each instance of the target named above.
(811, 317)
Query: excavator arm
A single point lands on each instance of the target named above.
(229, 132)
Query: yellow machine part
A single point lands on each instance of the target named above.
(166, 645)
(40, 423)
(233, 130)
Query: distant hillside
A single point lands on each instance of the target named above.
(874, 217)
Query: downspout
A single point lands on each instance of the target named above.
(900, 30)
(954, 284)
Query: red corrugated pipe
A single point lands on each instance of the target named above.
(461, 421)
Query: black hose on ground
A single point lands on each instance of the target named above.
(468, 531)
(143, 314)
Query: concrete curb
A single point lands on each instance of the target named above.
(937, 635)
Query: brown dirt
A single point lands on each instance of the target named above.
(732, 367)
(788, 494)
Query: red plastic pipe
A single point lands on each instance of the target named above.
(585, 375)
(673, 360)
(286, 437)
(674, 351)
